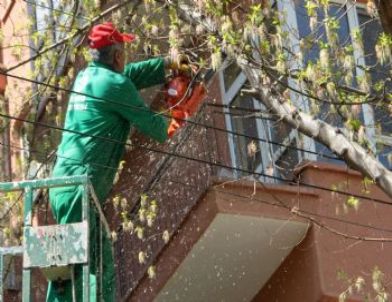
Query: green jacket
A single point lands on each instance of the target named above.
(121, 108)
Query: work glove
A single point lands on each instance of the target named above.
(180, 62)
(178, 120)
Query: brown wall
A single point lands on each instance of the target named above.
(324, 253)
(310, 272)
(297, 279)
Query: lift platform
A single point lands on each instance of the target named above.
(55, 249)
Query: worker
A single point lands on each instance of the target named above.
(108, 105)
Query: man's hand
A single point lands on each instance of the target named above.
(180, 62)
(178, 120)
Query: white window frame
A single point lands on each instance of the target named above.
(381, 139)
(368, 114)
(227, 97)
(288, 8)
(268, 156)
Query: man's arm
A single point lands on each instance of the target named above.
(146, 73)
(137, 113)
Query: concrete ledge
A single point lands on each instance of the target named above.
(222, 198)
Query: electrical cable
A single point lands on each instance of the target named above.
(287, 207)
(302, 211)
(302, 150)
(166, 115)
(250, 110)
(228, 193)
(128, 105)
(268, 141)
(244, 116)
(77, 161)
(182, 156)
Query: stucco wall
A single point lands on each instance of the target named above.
(329, 253)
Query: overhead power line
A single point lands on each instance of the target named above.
(268, 141)
(310, 217)
(236, 195)
(280, 203)
(182, 156)
(225, 113)
(167, 115)
(77, 161)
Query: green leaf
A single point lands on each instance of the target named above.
(353, 202)
(354, 124)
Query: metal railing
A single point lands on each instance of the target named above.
(48, 247)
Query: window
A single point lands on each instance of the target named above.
(338, 12)
(350, 15)
(230, 74)
(247, 124)
(335, 10)
(371, 29)
(273, 159)
(250, 146)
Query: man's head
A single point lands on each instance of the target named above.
(107, 45)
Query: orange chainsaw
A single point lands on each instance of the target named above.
(183, 95)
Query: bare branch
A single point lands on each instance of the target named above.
(79, 31)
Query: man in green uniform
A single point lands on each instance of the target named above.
(108, 107)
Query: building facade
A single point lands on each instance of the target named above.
(285, 232)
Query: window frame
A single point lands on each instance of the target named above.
(353, 7)
(228, 95)
(269, 157)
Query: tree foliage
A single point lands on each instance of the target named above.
(320, 78)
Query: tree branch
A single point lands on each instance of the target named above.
(354, 155)
(79, 31)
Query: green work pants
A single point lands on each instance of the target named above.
(66, 204)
